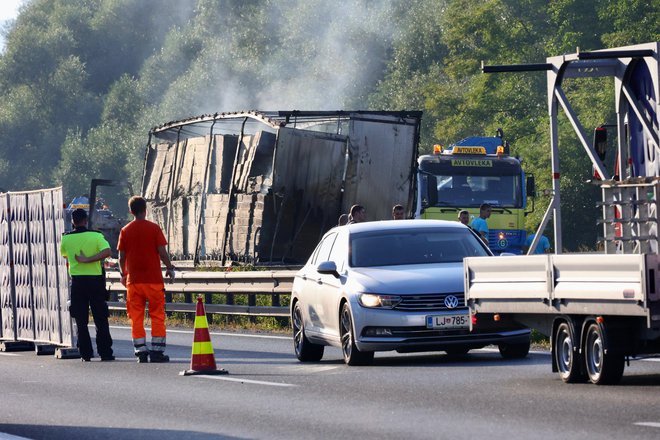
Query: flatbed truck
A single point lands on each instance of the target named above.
(599, 309)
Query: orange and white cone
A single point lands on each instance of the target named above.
(203, 358)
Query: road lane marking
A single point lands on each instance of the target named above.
(255, 382)
(2, 353)
(319, 369)
(286, 338)
(190, 332)
(650, 424)
(311, 369)
(497, 350)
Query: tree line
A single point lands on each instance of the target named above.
(83, 81)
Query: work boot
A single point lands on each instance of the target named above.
(158, 357)
(142, 357)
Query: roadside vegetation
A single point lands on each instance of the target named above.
(217, 322)
(82, 81)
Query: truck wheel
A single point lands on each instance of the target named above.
(568, 360)
(514, 351)
(305, 350)
(602, 368)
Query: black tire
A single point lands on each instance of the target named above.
(567, 358)
(602, 368)
(305, 350)
(352, 355)
(514, 351)
(457, 351)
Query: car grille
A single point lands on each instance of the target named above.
(428, 302)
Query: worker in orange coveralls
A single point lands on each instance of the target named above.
(141, 249)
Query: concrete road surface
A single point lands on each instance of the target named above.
(268, 394)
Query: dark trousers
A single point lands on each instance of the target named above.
(88, 292)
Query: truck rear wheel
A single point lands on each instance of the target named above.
(603, 368)
(567, 358)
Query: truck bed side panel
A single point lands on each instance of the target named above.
(584, 284)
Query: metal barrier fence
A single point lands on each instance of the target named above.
(33, 279)
(34, 285)
(190, 283)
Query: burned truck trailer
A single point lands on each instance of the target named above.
(263, 187)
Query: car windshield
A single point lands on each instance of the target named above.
(413, 246)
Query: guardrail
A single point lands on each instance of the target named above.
(192, 283)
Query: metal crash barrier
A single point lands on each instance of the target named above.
(33, 276)
(189, 283)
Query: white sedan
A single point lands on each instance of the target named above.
(393, 285)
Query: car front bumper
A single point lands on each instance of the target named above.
(434, 342)
(407, 332)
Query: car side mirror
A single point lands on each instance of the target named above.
(328, 268)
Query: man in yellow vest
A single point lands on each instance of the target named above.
(85, 250)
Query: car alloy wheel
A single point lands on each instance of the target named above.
(352, 355)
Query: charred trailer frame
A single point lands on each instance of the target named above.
(263, 187)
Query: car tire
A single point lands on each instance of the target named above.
(514, 351)
(304, 349)
(602, 368)
(457, 351)
(352, 355)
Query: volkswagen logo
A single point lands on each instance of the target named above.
(451, 301)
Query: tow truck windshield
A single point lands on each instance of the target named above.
(470, 181)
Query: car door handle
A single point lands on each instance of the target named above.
(304, 277)
(319, 281)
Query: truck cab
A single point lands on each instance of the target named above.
(473, 171)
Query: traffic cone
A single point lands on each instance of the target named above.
(203, 359)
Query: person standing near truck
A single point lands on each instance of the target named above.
(88, 285)
(141, 249)
(542, 247)
(398, 212)
(479, 224)
(357, 214)
(464, 217)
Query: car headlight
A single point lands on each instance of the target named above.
(373, 300)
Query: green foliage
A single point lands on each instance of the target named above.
(84, 80)
(539, 340)
(630, 22)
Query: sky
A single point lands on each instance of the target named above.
(8, 11)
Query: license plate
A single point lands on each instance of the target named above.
(448, 321)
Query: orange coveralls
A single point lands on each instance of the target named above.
(139, 241)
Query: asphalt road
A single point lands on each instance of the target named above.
(269, 394)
